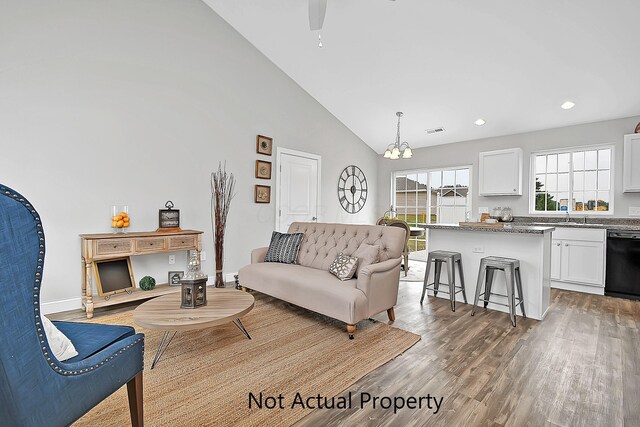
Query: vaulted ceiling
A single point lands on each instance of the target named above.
(448, 63)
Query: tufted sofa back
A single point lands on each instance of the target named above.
(323, 242)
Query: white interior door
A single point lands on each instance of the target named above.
(298, 188)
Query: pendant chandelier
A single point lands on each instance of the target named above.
(394, 151)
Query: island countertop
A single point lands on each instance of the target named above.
(508, 228)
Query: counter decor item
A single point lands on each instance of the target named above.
(222, 192)
(169, 218)
(194, 284)
(496, 213)
(506, 215)
(120, 218)
(147, 283)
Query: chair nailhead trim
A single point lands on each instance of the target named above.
(36, 296)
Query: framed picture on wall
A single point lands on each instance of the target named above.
(263, 169)
(264, 145)
(263, 194)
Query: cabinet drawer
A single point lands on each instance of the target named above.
(150, 244)
(112, 246)
(583, 234)
(180, 242)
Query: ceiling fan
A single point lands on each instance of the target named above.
(317, 12)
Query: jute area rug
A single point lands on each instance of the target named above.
(205, 377)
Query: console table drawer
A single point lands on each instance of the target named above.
(150, 244)
(182, 242)
(112, 246)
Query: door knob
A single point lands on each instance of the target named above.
(314, 218)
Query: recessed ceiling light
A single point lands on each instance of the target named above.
(568, 105)
(479, 122)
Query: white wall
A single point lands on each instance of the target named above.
(466, 153)
(136, 103)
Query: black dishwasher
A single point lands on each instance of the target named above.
(623, 264)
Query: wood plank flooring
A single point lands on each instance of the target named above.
(578, 367)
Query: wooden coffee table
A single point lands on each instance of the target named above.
(164, 314)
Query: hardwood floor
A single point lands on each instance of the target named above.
(578, 367)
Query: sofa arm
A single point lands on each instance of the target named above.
(379, 282)
(257, 255)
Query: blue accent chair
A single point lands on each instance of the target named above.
(36, 389)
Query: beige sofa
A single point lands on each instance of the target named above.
(309, 284)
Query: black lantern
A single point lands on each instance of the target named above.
(194, 284)
(194, 293)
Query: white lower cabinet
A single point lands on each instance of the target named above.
(583, 262)
(578, 260)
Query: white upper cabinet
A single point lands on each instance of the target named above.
(631, 169)
(501, 173)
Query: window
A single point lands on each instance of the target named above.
(429, 196)
(577, 180)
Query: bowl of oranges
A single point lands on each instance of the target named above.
(120, 220)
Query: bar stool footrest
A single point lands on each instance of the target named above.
(432, 289)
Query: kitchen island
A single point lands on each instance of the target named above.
(530, 244)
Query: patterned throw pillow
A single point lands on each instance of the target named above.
(344, 266)
(284, 247)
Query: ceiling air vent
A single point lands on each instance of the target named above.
(435, 130)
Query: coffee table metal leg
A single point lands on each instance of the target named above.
(164, 343)
(240, 326)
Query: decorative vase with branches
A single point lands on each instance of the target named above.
(222, 192)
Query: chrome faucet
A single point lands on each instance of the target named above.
(568, 218)
(584, 219)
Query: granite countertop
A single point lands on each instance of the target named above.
(622, 224)
(508, 228)
(597, 226)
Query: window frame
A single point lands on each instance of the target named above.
(428, 172)
(571, 151)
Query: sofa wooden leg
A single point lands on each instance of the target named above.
(134, 390)
(391, 314)
(350, 330)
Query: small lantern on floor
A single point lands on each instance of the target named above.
(194, 284)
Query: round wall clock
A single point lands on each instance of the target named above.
(352, 189)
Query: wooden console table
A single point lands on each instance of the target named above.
(105, 246)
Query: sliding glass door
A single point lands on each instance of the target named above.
(431, 196)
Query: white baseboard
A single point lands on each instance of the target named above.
(230, 277)
(596, 290)
(61, 305)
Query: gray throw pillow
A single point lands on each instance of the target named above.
(284, 248)
(367, 254)
(344, 266)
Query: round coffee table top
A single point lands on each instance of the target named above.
(164, 313)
